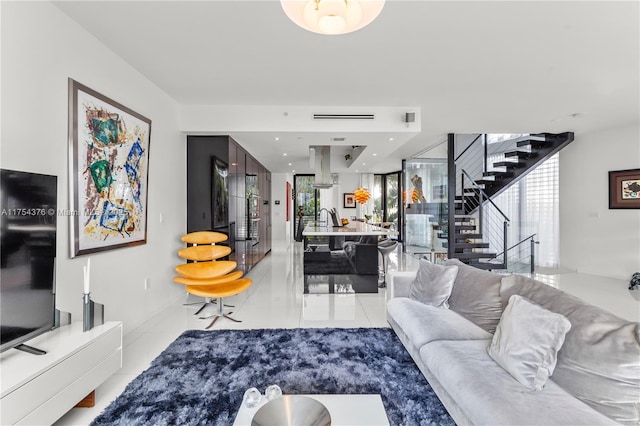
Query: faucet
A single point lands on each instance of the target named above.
(320, 216)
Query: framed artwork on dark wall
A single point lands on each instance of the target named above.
(349, 201)
(220, 196)
(624, 189)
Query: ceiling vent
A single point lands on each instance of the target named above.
(344, 117)
(338, 139)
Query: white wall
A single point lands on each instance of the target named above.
(593, 238)
(41, 48)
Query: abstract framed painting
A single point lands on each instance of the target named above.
(349, 201)
(108, 172)
(624, 189)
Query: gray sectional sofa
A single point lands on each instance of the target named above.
(596, 380)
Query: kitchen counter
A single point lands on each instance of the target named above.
(353, 228)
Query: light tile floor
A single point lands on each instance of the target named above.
(276, 300)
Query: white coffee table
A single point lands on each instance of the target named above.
(345, 410)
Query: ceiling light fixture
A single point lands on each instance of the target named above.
(332, 17)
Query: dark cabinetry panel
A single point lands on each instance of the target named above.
(247, 184)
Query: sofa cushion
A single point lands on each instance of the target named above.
(433, 284)
(489, 395)
(527, 341)
(599, 361)
(424, 323)
(476, 295)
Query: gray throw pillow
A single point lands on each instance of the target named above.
(433, 284)
(527, 341)
(600, 359)
(476, 295)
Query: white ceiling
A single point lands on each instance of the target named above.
(474, 66)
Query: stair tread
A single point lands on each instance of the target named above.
(534, 143)
(508, 164)
(463, 218)
(524, 154)
(498, 174)
(469, 235)
(470, 245)
(476, 255)
(488, 265)
(465, 227)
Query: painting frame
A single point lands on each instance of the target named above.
(220, 194)
(108, 149)
(349, 200)
(624, 189)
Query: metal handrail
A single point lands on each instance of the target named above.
(485, 195)
(517, 244)
(468, 146)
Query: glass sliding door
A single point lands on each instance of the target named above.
(392, 207)
(426, 209)
(307, 202)
(386, 201)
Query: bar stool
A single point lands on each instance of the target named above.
(385, 247)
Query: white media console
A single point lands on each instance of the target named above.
(39, 389)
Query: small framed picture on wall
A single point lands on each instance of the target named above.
(624, 189)
(349, 201)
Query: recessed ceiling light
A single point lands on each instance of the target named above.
(289, 164)
(374, 154)
(364, 164)
(293, 171)
(285, 154)
(390, 139)
(356, 170)
(276, 138)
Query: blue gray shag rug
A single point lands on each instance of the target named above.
(201, 377)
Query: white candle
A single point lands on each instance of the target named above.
(87, 272)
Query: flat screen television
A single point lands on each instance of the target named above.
(27, 256)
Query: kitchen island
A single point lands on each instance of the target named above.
(342, 259)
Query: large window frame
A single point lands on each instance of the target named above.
(382, 198)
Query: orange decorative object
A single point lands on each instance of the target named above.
(203, 270)
(361, 195)
(208, 281)
(204, 237)
(221, 290)
(206, 252)
(207, 277)
(415, 195)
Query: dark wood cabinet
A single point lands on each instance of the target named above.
(245, 197)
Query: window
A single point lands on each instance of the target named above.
(533, 205)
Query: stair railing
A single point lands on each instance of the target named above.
(519, 259)
(473, 158)
(492, 222)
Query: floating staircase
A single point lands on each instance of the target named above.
(467, 240)
(529, 153)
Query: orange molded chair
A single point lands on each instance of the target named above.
(206, 276)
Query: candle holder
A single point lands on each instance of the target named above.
(92, 313)
(62, 318)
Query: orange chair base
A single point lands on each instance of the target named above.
(220, 290)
